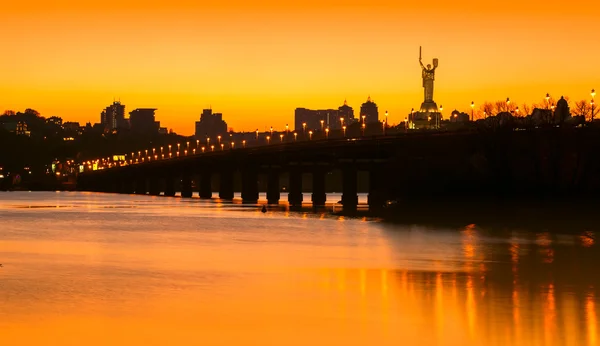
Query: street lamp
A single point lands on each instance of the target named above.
(327, 133)
(341, 122)
(203, 148)
(363, 118)
(197, 143)
(310, 134)
(322, 125)
(304, 129)
(256, 133)
(219, 138)
(212, 147)
(244, 143)
(268, 139)
(208, 141)
(344, 129)
(287, 128)
(363, 128)
(178, 146)
(185, 152)
(593, 93)
(232, 145)
(281, 137)
(295, 136)
(472, 110)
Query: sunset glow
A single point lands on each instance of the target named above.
(257, 62)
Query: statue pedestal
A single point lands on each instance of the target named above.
(429, 107)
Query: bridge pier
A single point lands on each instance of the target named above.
(169, 185)
(350, 190)
(295, 189)
(319, 197)
(250, 185)
(377, 188)
(273, 194)
(226, 184)
(186, 185)
(205, 185)
(154, 186)
(140, 185)
(127, 186)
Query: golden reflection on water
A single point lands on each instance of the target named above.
(348, 283)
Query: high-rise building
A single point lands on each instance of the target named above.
(369, 111)
(142, 121)
(331, 118)
(113, 117)
(210, 125)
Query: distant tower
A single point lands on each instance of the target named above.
(370, 111)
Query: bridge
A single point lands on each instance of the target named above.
(414, 164)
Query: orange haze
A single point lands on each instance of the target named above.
(257, 62)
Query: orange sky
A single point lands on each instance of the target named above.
(257, 62)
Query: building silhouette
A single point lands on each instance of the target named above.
(113, 117)
(142, 121)
(210, 125)
(369, 111)
(331, 118)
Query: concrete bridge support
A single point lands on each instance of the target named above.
(126, 186)
(250, 185)
(319, 197)
(186, 185)
(295, 189)
(350, 190)
(226, 184)
(273, 194)
(154, 186)
(205, 185)
(169, 185)
(378, 187)
(140, 185)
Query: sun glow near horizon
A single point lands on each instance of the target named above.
(257, 62)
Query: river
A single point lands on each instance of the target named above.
(105, 269)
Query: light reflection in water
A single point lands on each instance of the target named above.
(177, 274)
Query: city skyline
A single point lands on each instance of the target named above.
(187, 57)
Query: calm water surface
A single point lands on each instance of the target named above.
(102, 269)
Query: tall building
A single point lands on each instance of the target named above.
(142, 121)
(330, 117)
(210, 125)
(113, 117)
(369, 111)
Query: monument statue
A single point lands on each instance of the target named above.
(428, 74)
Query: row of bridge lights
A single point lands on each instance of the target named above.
(161, 154)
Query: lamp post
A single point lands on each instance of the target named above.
(363, 128)
(208, 141)
(197, 143)
(212, 147)
(310, 134)
(287, 129)
(169, 148)
(256, 134)
(304, 129)
(593, 93)
(322, 125)
(268, 139)
(232, 145)
(219, 139)
(203, 148)
(341, 122)
(178, 146)
(386, 118)
(244, 143)
(363, 118)
(295, 136)
(327, 133)
(344, 129)
(222, 146)
(281, 137)
(472, 110)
